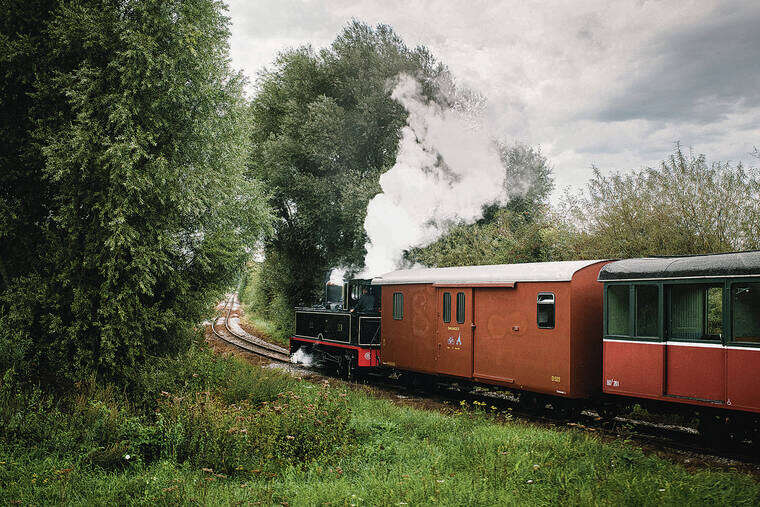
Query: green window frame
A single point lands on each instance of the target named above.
(447, 306)
(695, 311)
(398, 305)
(460, 307)
(618, 310)
(745, 312)
(647, 311)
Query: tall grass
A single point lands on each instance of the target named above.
(207, 429)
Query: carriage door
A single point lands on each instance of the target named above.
(694, 355)
(454, 331)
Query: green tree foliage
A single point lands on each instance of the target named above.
(520, 231)
(123, 206)
(325, 128)
(685, 206)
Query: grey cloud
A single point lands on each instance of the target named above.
(699, 74)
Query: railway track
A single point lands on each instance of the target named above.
(246, 342)
(657, 437)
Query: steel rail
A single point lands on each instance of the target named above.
(261, 348)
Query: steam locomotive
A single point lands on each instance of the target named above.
(673, 334)
(331, 333)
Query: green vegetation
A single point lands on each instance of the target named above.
(685, 206)
(324, 129)
(266, 311)
(211, 429)
(520, 231)
(124, 210)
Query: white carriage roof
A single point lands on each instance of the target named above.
(562, 271)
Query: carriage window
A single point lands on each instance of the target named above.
(647, 310)
(696, 312)
(746, 309)
(447, 307)
(714, 302)
(545, 310)
(618, 310)
(398, 305)
(460, 307)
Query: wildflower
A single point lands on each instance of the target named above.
(530, 481)
(290, 437)
(127, 456)
(536, 467)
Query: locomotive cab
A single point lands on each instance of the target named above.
(353, 292)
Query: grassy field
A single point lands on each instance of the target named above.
(209, 429)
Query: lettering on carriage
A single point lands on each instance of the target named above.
(611, 382)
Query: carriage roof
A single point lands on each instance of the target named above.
(561, 271)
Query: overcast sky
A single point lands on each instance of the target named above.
(611, 84)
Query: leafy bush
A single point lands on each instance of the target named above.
(199, 408)
(265, 297)
(684, 206)
(203, 430)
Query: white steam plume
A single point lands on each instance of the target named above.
(336, 276)
(446, 169)
(302, 357)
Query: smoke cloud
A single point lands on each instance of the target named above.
(447, 168)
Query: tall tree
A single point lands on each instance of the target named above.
(124, 206)
(325, 128)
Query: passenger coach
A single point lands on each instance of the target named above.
(684, 330)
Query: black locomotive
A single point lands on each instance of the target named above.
(343, 331)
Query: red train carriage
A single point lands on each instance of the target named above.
(685, 330)
(533, 327)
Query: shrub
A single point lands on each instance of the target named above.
(210, 411)
(231, 438)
